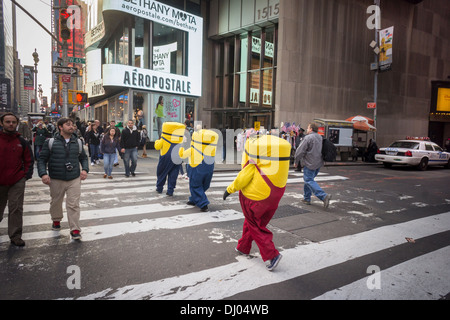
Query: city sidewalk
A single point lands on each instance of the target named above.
(148, 165)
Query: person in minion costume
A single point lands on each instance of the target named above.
(201, 156)
(261, 185)
(171, 136)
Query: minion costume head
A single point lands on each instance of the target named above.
(265, 155)
(203, 147)
(172, 134)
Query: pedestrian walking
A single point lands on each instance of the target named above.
(261, 185)
(64, 175)
(25, 131)
(109, 146)
(16, 166)
(144, 138)
(309, 155)
(41, 134)
(129, 143)
(112, 124)
(93, 142)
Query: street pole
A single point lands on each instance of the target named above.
(36, 60)
(65, 110)
(375, 91)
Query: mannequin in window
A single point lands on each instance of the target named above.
(160, 115)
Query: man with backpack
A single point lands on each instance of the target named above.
(16, 166)
(309, 154)
(64, 155)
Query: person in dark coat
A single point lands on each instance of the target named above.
(64, 175)
(41, 134)
(16, 166)
(129, 142)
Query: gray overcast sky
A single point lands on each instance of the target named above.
(30, 36)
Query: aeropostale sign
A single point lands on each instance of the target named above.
(144, 79)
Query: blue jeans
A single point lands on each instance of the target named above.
(130, 154)
(95, 150)
(311, 186)
(108, 162)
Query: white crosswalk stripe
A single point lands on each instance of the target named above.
(239, 276)
(127, 206)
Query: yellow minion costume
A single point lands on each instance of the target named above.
(200, 168)
(261, 185)
(172, 135)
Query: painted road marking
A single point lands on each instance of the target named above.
(118, 229)
(422, 278)
(249, 274)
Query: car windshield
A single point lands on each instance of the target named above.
(405, 144)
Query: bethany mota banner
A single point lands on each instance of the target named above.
(159, 12)
(190, 85)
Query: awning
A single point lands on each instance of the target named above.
(361, 118)
(364, 126)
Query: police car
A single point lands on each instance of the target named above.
(413, 151)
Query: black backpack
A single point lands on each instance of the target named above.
(329, 151)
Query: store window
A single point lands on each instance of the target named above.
(140, 100)
(173, 110)
(169, 50)
(116, 49)
(141, 44)
(116, 107)
(245, 67)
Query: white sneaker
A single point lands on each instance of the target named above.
(92, 163)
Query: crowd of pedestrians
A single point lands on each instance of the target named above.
(63, 164)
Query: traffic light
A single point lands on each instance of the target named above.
(64, 30)
(82, 97)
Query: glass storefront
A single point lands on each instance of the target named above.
(245, 70)
(147, 56)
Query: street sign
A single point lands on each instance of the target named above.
(371, 105)
(77, 60)
(64, 70)
(66, 78)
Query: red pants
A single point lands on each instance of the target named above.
(257, 216)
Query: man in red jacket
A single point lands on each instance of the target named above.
(16, 166)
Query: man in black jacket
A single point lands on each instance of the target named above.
(64, 175)
(129, 142)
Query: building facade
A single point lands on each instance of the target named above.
(234, 62)
(6, 57)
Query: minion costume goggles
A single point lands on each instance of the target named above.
(172, 135)
(201, 156)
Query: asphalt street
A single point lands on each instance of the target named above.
(385, 236)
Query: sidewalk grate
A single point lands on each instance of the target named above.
(288, 211)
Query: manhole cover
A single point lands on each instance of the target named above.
(288, 211)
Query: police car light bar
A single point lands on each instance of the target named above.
(418, 138)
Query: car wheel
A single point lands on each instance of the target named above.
(423, 164)
(448, 164)
(387, 165)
